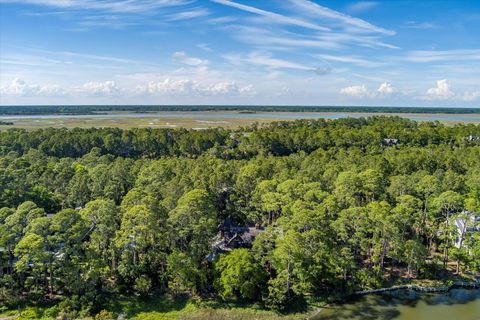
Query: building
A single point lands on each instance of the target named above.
(390, 142)
(231, 237)
(465, 222)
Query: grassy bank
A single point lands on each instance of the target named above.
(160, 308)
(167, 307)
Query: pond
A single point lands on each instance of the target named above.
(457, 304)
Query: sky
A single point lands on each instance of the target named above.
(285, 52)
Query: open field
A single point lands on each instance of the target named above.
(202, 119)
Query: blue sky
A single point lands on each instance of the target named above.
(399, 53)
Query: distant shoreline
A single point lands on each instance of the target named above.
(95, 109)
(204, 119)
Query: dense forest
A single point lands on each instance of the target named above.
(89, 109)
(269, 214)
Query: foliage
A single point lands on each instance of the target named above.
(240, 275)
(86, 214)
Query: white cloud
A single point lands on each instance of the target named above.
(182, 57)
(386, 88)
(229, 88)
(168, 85)
(247, 90)
(361, 91)
(99, 88)
(471, 96)
(171, 86)
(356, 91)
(441, 92)
(19, 87)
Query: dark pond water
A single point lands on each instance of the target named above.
(457, 304)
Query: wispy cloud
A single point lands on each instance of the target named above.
(182, 57)
(189, 14)
(110, 21)
(361, 6)
(31, 61)
(446, 55)
(90, 56)
(352, 39)
(419, 25)
(204, 47)
(222, 20)
(125, 6)
(275, 17)
(265, 37)
(355, 60)
(266, 60)
(337, 30)
(313, 9)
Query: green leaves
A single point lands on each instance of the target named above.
(339, 211)
(239, 275)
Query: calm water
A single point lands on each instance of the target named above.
(260, 115)
(457, 304)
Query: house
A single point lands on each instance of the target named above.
(465, 222)
(390, 142)
(231, 237)
(473, 138)
(237, 136)
(7, 261)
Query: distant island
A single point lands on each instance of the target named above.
(89, 109)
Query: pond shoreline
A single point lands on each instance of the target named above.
(402, 301)
(440, 289)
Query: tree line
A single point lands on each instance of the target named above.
(87, 213)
